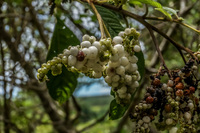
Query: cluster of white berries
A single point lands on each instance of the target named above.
(113, 59)
(122, 74)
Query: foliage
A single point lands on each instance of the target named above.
(61, 87)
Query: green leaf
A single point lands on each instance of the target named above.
(58, 2)
(134, 3)
(111, 21)
(140, 63)
(164, 12)
(158, 6)
(171, 11)
(62, 86)
(148, 2)
(116, 110)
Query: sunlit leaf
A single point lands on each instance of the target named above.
(164, 12)
(171, 11)
(148, 2)
(156, 4)
(116, 110)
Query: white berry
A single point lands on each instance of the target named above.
(120, 70)
(72, 60)
(108, 79)
(85, 37)
(115, 78)
(169, 121)
(74, 51)
(85, 44)
(173, 130)
(124, 61)
(93, 52)
(137, 48)
(133, 59)
(97, 45)
(117, 40)
(127, 31)
(121, 33)
(86, 52)
(146, 119)
(120, 48)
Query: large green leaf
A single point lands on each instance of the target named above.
(111, 21)
(62, 86)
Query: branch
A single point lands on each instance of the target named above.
(146, 12)
(173, 20)
(157, 49)
(6, 109)
(79, 26)
(78, 109)
(13, 126)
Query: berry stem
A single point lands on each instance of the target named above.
(100, 21)
(162, 62)
(106, 30)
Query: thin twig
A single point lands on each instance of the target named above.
(106, 30)
(157, 49)
(173, 20)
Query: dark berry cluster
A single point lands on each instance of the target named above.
(174, 103)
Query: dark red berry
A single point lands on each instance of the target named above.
(192, 89)
(80, 56)
(180, 86)
(186, 92)
(196, 101)
(168, 108)
(153, 112)
(179, 93)
(177, 80)
(149, 99)
(151, 117)
(156, 82)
